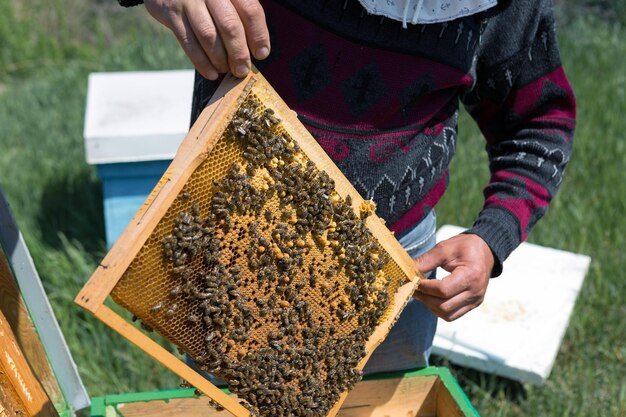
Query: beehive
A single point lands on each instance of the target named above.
(257, 258)
(27, 311)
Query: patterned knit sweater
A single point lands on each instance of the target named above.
(383, 102)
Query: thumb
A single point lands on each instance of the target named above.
(430, 260)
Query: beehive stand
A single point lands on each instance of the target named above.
(257, 258)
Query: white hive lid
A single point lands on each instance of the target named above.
(517, 331)
(136, 116)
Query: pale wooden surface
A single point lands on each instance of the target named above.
(14, 366)
(392, 397)
(446, 404)
(13, 308)
(187, 407)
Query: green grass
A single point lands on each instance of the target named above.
(57, 199)
(56, 196)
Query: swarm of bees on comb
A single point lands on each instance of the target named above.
(264, 274)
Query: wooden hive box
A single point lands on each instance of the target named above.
(256, 257)
(34, 352)
(430, 392)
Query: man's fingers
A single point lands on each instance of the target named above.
(253, 19)
(230, 28)
(469, 261)
(206, 34)
(432, 259)
(454, 295)
(450, 309)
(460, 312)
(187, 39)
(447, 288)
(216, 34)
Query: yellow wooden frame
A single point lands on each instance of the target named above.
(192, 152)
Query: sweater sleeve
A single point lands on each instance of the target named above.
(130, 3)
(525, 108)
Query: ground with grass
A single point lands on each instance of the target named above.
(46, 54)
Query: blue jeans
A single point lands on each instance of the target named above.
(410, 340)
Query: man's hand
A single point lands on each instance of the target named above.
(216, 34)
(469, 261)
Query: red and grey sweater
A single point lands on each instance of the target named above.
(383, 102)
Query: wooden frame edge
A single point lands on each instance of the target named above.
(167, 359)
(456, 393)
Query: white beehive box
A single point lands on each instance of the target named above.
(136, 116)
(134, 122)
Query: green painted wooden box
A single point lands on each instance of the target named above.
(430, 392)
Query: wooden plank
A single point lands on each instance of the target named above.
(191, 153)
(453, 398)
(15, 368)
(446, 404)
(10, 403)
(13, 308)
(392, 397)
(157, 352)
(188, 407)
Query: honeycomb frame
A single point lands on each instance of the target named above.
(173, 191)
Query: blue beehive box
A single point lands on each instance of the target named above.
(125, 186)
(134, 122)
